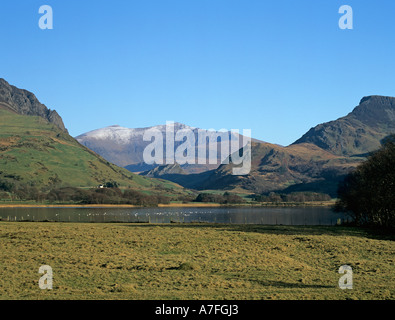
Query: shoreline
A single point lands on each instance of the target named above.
(173, 205)
(187, 205)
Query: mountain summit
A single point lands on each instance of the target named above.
(125, 146)
(24, 102)
(358, 133)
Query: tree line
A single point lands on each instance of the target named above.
(226, 198)
(299, 197)
(105, 195)
(368, 193)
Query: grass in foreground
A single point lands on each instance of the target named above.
(193, 261)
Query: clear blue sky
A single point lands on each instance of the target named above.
(275, 67)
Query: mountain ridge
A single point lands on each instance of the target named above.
(125, 146)
(25, 102)
(315, 162)
(357, 133)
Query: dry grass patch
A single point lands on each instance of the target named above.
(193, 261)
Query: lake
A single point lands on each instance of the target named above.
(233, 215)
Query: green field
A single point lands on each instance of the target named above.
(193, 261)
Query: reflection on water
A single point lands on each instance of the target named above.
(233, 215)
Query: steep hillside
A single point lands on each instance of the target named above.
(25, 103)
(359, 132)
(38, 153)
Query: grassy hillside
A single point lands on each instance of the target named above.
(36, 152)
(193, 261)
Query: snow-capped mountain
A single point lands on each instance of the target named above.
(125, 146)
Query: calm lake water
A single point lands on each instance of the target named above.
(234, 215)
